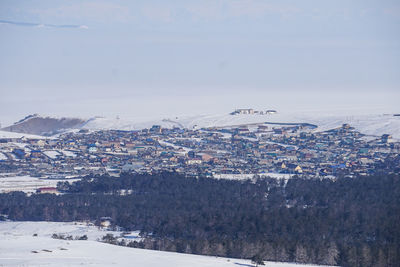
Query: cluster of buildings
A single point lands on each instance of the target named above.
(252, 111)
(222, 152)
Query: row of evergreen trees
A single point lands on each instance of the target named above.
(348, 221)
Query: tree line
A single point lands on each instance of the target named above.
(346, 221)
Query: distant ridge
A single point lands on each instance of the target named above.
(46, 126)
(373, 124)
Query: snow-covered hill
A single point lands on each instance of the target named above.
(374, 124)
(18, 247)
(40, 125)
(370, 124)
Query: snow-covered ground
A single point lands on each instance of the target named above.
(52, 154)
(68, 153)
(47, 229)
(18, 247)
(370, 124)
(2, 156)
(5, 134)
(27, 184)
(244, 176)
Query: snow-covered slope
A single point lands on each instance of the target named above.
(370, 124)
(6, 134)
(366, 124)
(18, 247)
(374, 124)
(41, 125)
(10, 229)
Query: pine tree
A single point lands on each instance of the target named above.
(257, 260)
(301, 254)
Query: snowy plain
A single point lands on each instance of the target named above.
(19, 247)
(27, 184)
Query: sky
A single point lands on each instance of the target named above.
(164, 58)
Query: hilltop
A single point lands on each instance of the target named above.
(40, 125)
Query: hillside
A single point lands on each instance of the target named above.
(38, 125)
(18, 247)
(372, 124)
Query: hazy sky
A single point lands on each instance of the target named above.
(173, 57)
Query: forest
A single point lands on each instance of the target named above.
(343, 221)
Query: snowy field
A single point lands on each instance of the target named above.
(5, 134)
(27, 184)
(47, 229)
(18, 247)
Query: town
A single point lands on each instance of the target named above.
(236, 152)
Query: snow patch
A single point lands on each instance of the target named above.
(27, 184)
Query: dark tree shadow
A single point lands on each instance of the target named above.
(242, 264)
